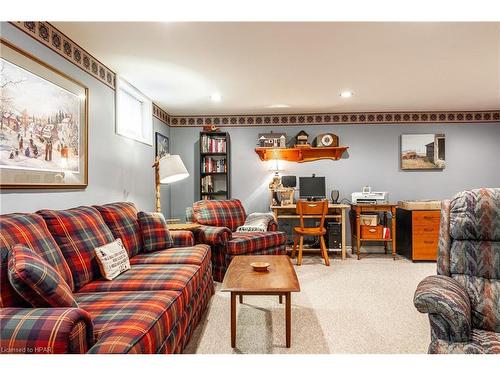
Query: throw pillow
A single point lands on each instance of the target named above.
(121, 218)
(36, 280)
(256, 222)
(154, 231)
(112, 259)
(78, 231)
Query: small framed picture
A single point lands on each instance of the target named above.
(423, 151)
(162, 145)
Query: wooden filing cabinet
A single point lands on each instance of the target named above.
(418, 233)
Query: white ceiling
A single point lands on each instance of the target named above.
(388, 66)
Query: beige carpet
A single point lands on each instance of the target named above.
(350, 307)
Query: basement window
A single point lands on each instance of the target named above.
(134, 117)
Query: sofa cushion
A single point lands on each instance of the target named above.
(182, 238)
(121, 218)
(475, 214)
(484, 295)
(198, 255)
(29, 230)
(475, 258)
(482, 342)
(37, 281)
(78, 231)
(224, 213)
(250, 242)
(185, 278)
(154, 231)
(131, 322)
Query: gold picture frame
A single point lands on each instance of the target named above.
(43, 124)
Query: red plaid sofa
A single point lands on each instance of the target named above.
(219, 221)
(151, 308)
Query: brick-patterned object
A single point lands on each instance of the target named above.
(37, 281)
(463, 299)
(220, 213)
(250, 242)
(147, 277)
(132, 322)
(182, 238)
(78, 231)
(154, 231)
(121, 218)
(45, 331)
(29, 230)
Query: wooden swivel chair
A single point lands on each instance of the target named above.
(313, 209)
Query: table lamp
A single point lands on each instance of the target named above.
(168, 169)
(275, 167)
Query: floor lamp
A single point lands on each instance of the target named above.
(168, 169)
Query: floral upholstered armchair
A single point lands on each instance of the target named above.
(219, 221)
(463, 300)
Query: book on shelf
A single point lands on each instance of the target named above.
(211, 165)
(386, 233)
(215, 144)
(207, 185)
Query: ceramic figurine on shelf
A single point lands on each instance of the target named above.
(276, 182)
(210, 128)
(301, 139)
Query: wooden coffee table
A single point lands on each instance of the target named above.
(280, 280)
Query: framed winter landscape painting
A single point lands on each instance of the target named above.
(423, 151)
(162, 145)
(43, 129)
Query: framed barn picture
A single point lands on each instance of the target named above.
(43, 128)
(162, 145)
(422, 151)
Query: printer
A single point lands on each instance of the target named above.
(367, 196)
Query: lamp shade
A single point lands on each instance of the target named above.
(172, 169)
(274, 166)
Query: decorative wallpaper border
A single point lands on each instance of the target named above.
(54, 39)
(160, 114)
(346, 118)
(57, 41)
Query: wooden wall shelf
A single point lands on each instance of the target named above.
(300, 154)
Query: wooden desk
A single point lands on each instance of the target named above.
(335, 211)
(358, 209)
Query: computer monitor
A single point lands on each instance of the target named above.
(312, 188)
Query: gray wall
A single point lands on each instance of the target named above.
(119, 168)
(472, 160)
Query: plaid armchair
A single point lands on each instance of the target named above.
(463, 300)
(219, 221)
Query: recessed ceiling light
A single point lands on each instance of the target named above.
(346, 94)
(216, 97)
(277, 106)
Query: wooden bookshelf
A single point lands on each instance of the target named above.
(215, 165)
